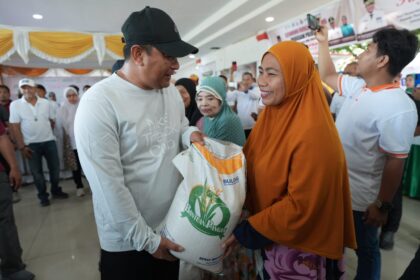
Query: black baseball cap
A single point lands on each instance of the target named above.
(152, 26)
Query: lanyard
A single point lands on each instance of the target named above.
(34, 110)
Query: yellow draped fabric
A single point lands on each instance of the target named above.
(114, 44)
(79, 71)
(6, 41)
(30, 72)
(35, 72)
(61, 44)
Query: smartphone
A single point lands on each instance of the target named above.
(234, 66)
(313, 22)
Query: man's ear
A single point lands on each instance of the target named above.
(383, 61)
(138, 54)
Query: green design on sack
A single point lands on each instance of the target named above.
(207, 203)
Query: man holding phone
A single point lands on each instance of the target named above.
(376, 126)
(246, 99)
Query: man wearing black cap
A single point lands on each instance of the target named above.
(129, 128)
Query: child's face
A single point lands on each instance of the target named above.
(409, 81)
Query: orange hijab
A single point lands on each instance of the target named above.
(297, 175)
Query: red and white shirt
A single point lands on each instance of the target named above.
(373, 123)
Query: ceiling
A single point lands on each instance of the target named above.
(206, 24)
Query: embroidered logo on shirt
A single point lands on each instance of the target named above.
(160, 136)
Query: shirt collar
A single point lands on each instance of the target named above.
(383, 87)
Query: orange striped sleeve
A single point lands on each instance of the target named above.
(395, 155)
(340, 85)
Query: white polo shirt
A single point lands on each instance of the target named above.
(373, 123)
(336, 104)
(34, 119)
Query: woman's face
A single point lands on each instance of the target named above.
(409, 81)
(208, 105)
(72, 97)
(271, 81)
(185, 95)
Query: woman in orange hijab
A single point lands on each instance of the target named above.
(298, 195)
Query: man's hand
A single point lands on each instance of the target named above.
(163, 250)
(27, 152)
(197, 137)
(375, 217)
(229, 245)
(321, 34)
(15, 178)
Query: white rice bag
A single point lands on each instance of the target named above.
(208, 202)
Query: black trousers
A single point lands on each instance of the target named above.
(10, 250)
(247, 132)
(134, 265)
(394, 216)
(77, 174)
(413, 270)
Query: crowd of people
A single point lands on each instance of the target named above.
(28, 131)
(321, 177)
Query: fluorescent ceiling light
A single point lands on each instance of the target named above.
(37, 16)
(269, 19)
(191, 56)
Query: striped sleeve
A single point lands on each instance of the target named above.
(396, 134)
(349, 86)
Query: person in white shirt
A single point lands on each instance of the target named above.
(31, 121)
(334, 31)
(247, 99)
(376, 126)
(372, 19)
(128, 129)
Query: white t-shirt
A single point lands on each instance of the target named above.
(34, 120)
(126, 139)
(334, 33)
(247, 103)
(373, 123)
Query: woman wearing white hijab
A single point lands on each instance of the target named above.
(66, 114)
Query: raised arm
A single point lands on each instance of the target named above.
(325, 64)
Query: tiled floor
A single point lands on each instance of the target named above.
(60, 242)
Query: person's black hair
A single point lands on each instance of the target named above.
(249, 74)
(192, 113)
(5, 87)
(127, 50)
(224, 78)
(399, 45)
(39, 86)
(75, 87)
(86, 86)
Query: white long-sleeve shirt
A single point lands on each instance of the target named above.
(126, 139)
